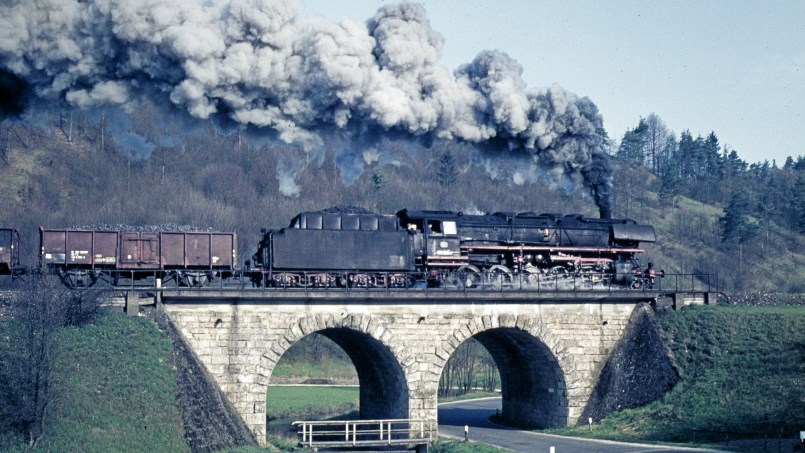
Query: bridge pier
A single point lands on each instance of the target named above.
(549, 351)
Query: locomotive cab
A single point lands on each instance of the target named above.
(443, 244)
(437, 244)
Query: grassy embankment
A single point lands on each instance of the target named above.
(742, 376)
(111, 388)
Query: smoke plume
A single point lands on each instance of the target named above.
(257, 63)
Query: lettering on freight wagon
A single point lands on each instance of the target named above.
(78, 255)
(104, 260)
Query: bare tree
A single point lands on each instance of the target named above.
(657, 140)
(469, 367)
(39, 312)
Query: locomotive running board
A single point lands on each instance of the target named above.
(544, 248)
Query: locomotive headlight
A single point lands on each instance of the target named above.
(444, 244)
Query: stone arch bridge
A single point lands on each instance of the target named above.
(549, 347)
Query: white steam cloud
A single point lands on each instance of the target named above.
(258, 63)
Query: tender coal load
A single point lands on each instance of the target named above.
(638, 372)
(165, 227)
(346, 209)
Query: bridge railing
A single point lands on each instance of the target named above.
(365, 433)
(487, 281)
(419, 281)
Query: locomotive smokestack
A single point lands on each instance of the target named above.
(606, 213)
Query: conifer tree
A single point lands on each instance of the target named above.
(737, 226)
(446, 171)
(799, 203)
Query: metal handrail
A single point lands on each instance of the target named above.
(486, 281)
(346, 433)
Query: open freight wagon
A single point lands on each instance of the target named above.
(9, 251)
(82, 257)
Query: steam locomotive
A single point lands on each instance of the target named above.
(351, 247)
(444, 248)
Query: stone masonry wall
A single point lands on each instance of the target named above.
(241, 343)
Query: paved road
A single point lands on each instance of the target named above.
(475, 414)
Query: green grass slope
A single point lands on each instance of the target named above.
(742, 375)
(112, 388)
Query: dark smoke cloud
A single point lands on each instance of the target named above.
(13, 94)
(256, 63)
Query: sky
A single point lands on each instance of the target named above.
(736, 68)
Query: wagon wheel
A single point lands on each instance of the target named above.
(360, 280)
(470, 276)
(500, 274)
(194, 279)
(284, 280)
(399, 281)
(322, 280)
(78, 278)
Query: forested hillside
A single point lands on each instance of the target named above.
(713, 212)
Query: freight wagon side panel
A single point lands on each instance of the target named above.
(79, 248)
(139, 250)
(198, 250)
(104, 249)
(172, 250)
(53, 246)
(299, 249)
(223, 250)
(8, 249)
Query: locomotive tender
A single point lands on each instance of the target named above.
(325, 249)
(351, 247)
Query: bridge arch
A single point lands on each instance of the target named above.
(533, 383)
(383, 386)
